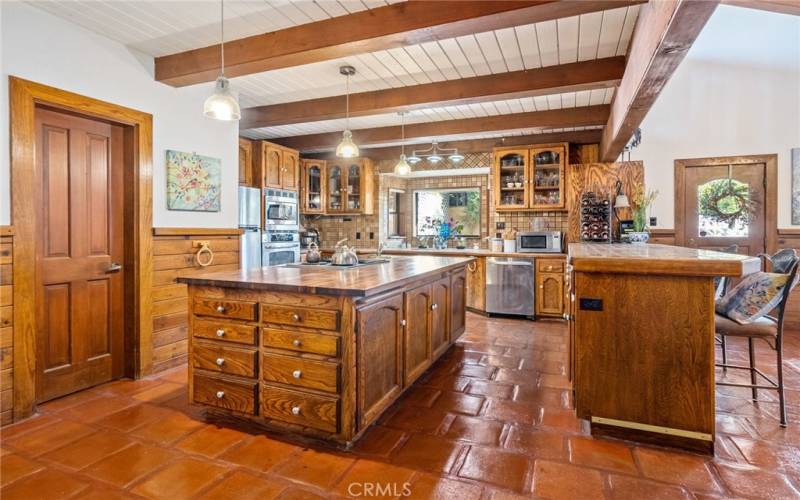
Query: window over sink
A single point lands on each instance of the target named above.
(463, 205)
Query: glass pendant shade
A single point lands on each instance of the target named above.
(402, 167)
(347, 148)
(455, 158)
(621, 201)
(222, 105)
(434, 158)
(413, 160)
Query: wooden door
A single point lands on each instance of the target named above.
(80, 340)
(440, 316)
(701, 230)
(511, 181)
(476, 284)
(417, 336)
(290, 161)
(337, 176)
(458, 297)
(549, 294)
(380, 356)
(272, 164)
(245, 162)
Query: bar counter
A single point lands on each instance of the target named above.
(642, 339)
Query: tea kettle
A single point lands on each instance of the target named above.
(313, 256)
(344, 255)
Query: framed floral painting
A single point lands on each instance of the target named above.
(193, 182)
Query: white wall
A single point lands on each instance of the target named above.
(737, 92)
(40, 47)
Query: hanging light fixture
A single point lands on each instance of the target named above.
(222, 104)
(434, 154)
(347, 148)
(402, 167)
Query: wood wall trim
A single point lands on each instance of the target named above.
(665, 31)
(565, 117)
(770, 162)
(195, 231)
(584, 75)
(6, 230)
(401, 24)
(789, 231)
(24, 96)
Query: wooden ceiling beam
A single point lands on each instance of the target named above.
(558, 118)
(586, 75)
(664, 32)
(791, 7)
(396, 25)
(479, 145)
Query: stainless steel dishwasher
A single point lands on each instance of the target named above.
(510, 286)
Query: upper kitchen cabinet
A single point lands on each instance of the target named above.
(312, 183)
(277, 167)
(529, 178)
(350, 187)
(245, 162)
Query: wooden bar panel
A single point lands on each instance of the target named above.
(6, 325)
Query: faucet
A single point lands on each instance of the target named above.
(380, 249)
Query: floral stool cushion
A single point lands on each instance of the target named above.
(755, 296)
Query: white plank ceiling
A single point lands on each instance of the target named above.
(160, 27)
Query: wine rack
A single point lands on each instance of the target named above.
(595, 218)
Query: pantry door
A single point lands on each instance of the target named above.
(80, 337)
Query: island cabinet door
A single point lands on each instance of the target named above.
(440, 316)
(379, 338)
(458, 297)
(417, 337)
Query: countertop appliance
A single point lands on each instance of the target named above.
(281, 210)
(250, 224)
(308, 235)
(540, 241)
(510, 286)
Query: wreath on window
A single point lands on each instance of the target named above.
(727, 201)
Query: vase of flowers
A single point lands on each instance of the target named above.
(443, 229)
(641, 203)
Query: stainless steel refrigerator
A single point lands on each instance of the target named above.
(250, 223)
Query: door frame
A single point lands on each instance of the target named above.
(770, 162)
(24, 97)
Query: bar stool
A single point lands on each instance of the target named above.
(769, 329)
(720, 289)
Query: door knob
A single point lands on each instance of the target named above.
(114, 267)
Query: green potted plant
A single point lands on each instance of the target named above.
(641, 203)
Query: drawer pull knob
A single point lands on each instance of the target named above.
(296, 343)
(549, 268)
(402, 322)
(220, 309)
(220, 394)
(434, 307)
(295, 410)
(220, 361)
(297, 374)
(220, 333)
(296, 317)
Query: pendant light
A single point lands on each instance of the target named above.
(222, 104)
(347, 148)
(402, 167)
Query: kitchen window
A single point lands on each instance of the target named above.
(395, 217)
(463, 205)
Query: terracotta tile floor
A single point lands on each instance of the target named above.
(490, 421)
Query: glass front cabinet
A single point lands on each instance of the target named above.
(337, 187)
(312, 182)
(530, 178)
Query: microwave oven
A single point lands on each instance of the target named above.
(539, 241)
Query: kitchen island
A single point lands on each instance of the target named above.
(320, 351)
(642, 339)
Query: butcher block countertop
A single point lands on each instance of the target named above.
(658, 259)
(363, 281)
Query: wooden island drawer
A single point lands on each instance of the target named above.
(227, 332)
(233, 395)
(224, 359)
(300, 316)
(315, 343)
(550, 265)
(296, 407)
(300, 372)
(233, 309)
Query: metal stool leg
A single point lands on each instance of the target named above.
(781, 398)
(724, 353)
(752, 366)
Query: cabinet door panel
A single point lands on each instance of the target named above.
(272, 167)
(380, 359)
(245, 162)
(549, 294)
(289, 170)
(458, 290)
(476, 284)
(417, 337)
(440, 316)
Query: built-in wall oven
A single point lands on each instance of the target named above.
(280, 247)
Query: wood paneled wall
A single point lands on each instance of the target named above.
(174, 254)
(6, 325)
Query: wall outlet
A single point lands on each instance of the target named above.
(653, 221)
(358, 236)
(500, 225)
(371, 235)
